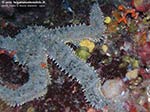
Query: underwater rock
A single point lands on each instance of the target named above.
(112, 88)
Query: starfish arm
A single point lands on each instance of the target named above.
(34, 88)
(65, 59)
(31, 52)
(97, 19)
(78, 32)
(8, 43)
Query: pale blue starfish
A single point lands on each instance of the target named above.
(33, 46)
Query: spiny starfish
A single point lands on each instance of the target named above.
(35, 44)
